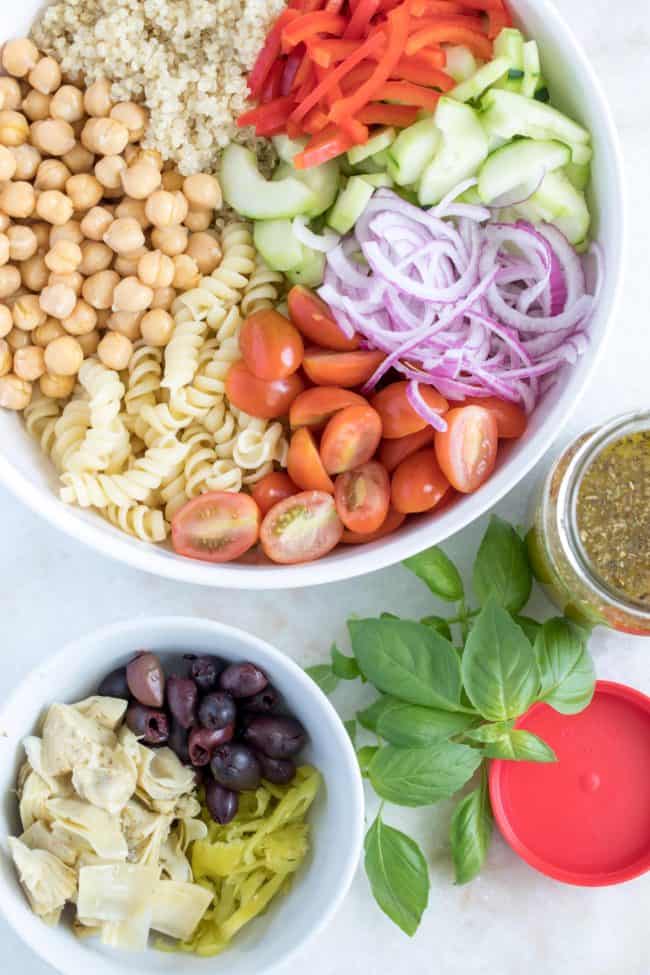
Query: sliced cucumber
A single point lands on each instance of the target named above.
(581, 155)
(558, 202)
(519, 163)
(532, 70)
(507, 114)
(464, 147)
(287, 148)
(277, 243)
(412, 151)
(350, 204)
(247, 192)
(378, 142)
(311, 269)
(510, 45)
(323, 180)
(579, 175)
(461, 63)
(381, 159)
(378, 180)
(475, 86)
(471, 196)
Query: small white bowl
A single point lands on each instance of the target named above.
(337, 818)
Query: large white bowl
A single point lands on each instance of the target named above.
(337, 818)
(574, 88)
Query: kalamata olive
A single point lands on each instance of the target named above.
(182, 696)
(236, 767)
(149, 725)
(265, 700)
(217, 710)
(222, 803)
(146, 679)
(275, 735)
(205, 671)
(115, 685)
(178, 742)
(280, 771)
(243, 680)
(202, 742)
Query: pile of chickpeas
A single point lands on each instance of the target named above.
(97, 234)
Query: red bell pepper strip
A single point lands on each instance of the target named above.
(497, 20)
(291, 68)
(309, 26)
(326, 51)
(444, 7)
(357, 131)
(334, 6)
(451, 34)
(269, 53)
(407, 94)
(411, 69)
(456, 20)
(364, 50)
(328, 144)
(378, 113)
(315, 121)
(357, 76)
(267, 116)
(397, 36)
(359, 22)
(484, 5)
(435, 57)
(273, 83)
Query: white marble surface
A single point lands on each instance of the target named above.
(52, 589)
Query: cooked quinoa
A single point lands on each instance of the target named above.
(187, 60)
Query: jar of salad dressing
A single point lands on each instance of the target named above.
(590, 541)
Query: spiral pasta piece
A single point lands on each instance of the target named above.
(147, 524)
(225, 476)
(263, 289)
(145, 373)
(182, 353)
(70, 431)
(199, 460)
(230, 279)
(105, 391)
(41, 416)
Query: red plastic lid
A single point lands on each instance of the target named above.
(584, 819)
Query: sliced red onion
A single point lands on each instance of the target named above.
(324, 242)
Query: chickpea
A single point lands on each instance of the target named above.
(40, 240)
(84, 190)
(10, 281)
(127, 264)
(97, 99)
(82, 320)
(109, 170)
(53, 136)
(6, 358)
(103, 314)
(96, 222)
(67, 231)
(95, 257)
(170, 240)
(52, 175)
(115, 350)
(17, 339)
(79, 161)
(34, 273)
(124, 235)
(105, 136)
(28, 159)
(29, 363)
(46, 333)
(206, 251)
(45, 76)
(8, 164)
(203, 192)
(64, 257)
(157, 327)
(186, 273)
(89, 342)
(172, 181)
(5, 223)
(151, 156)
(134, 117)
(14, 128)
(126, 323)
(5, 249)
(56, 387)
(18, 199)
(164, 298)
(73, 280)
(13, 96)
(58, 300)
(164, 209)
(198, 220)
(64, 356)
(54, 207)
(131, 295)
(156, 269)
(23, 241)
(6, 321)
(135, 209)
(19, 57)
(98, 289)
(68, 104)
(27, 313)
(140, 180)
(37, 106)
(15, 393)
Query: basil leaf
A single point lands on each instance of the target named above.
(369, 717)
(365, 756)
(438, 572)
(530, 627)
(520, 746)
(439, 624)
(421, 776)
(411, 726)
(351, 728)
(489, 732)
(499, 670)
(408, 660)
(566, 668)
(324, 676)
(470, 832)
(398, 875)
(346, 668)
(501, 568)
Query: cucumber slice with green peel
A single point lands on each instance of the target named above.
(523, 162)
(277, 243)
(311, 269)
(287, 148)
(532, 70)
(378, 180)
(323, 180)
(412, 151)
(475, 86)
(247, 192)
(380, 141)
(471, 196)
(558, 202)
(578, 175)
(381, 159)
(463, 149)
(510, 45)
(508, 114)
(581, 155)
(350, 204)
(461, 63)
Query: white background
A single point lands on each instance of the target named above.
(510, 919)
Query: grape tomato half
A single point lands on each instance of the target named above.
(362, 497)
(315, 406)
(346, 369)
(398, 416)
(263, 398)
(350, 439)
(511, 418)
(467, 449)
(418, 484)
(393, 452)
(302, 528)
(272, 488)
(216, 527)
(304, 463)
(391, 523)
(313, 318)
(271, 346)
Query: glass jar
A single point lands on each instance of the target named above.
(559, 557)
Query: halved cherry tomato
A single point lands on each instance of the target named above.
(305, 465)
(391, 523)
(418, 483)
(263, 398)
(346, 369)
(302, 528)
(313, 318)
(398, 416)
(271, 346)
(272, 488)
(315, 406)
(216, 527)
(393, 452)
(350, 438)
(511, 419)
(467, 450)
(362, 497)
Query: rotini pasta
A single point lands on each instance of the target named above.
(263, 289)
(147, 524)
(40, 419)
